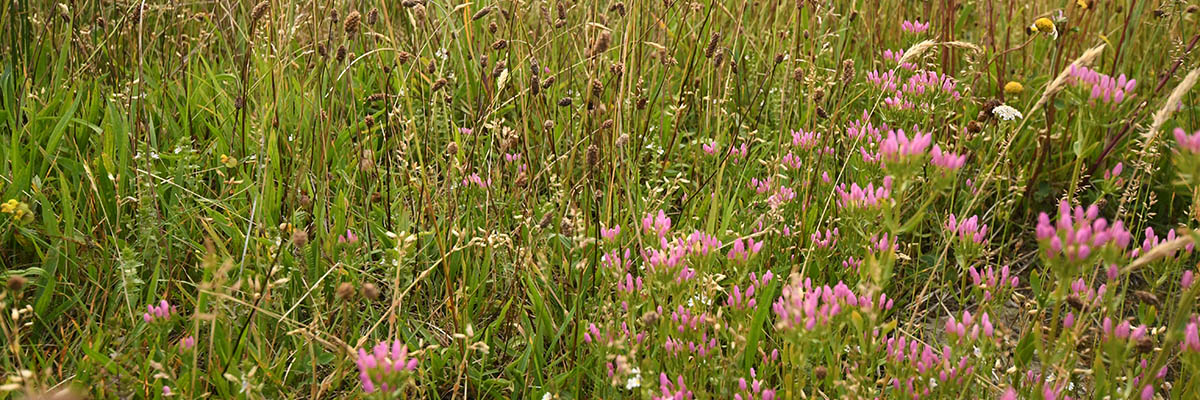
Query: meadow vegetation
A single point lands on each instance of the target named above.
(571, 199)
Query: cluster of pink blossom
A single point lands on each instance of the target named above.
(703, 347)
(385, 368)
(947, 160)
(187, 343)
(1189, 143)
(1078, 232)
(863, 128)
(761, 186)
(1191, 336)
(474, 179)
(805, 140)
(895, 57)
(743, 250)
(657, 224)
(742, 301)
(1082, 295)
(921, 363)
(860, 197)
(1104, 87)
(851, 264)
(702, 242)
(914, 26)
(670, 258)
(882, 243)
(968, 230)
(897, 147)
(781, 196)
(827, 241)
(968, 328)
(1115, 173)
(624, 336)
(791, 161)
(710, 148)
(803, 306)
(349, 238)
(923, 82)
(158, 313)
(1123, 331)
(1051, 388)
(740, 152)
(630, 285)
(991, 280)
(1152, 240)
(897, 101)
(669, 391)
(885, 81)
(753, 390)
(614, 260)
(512, 157)
(610, 234)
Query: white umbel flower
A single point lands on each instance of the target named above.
(635, 379)
(1006, 112)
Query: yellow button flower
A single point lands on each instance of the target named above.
(1013, 88)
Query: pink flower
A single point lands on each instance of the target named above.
(711, 147)
(1188, 143)
(385, 368)
(946, 160)
(914, 26)
(349, 238)
(160, 312)
(610, 234)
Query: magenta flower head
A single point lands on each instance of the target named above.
(187, 343)
(672, 391)
(657, 224)
(385, 368)
(710, 148)
(158, 313)
(1188, 143)
(914, 26)
(349, 238)
(946, 160)
(1079, 234)
(610, 234)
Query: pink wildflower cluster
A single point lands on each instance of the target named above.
(968, 328)
(187, 343)
(1191, 336)
(1123, 331)
(1115, 173)
(158, 313)
(922, 364)
(885, 81)
(991, 280)
(702, 242)
(349, 238)
(803, 306)
(864, 197)
(895, 57)
(710, 148)
(1051, 388)
(740, 152)
(914, 26)
(805, 140)
(671, 257)
(923, 82)
(947, 160)
(624, 336)
(897, 147)
(474, 179)
(1152, 240)
(1077, 233)
(743, 250)
(657, 224)
(753, 390)
(827, 241)
(614, 260)
(386, 368)
(669, 391)
(610, 234)
(1189, 143)
(1104, 87)
(512, 157)
(968, 230)
(791, 161)
(1082, 294)
(746, 300)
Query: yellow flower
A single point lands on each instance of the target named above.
(1044, 25)
(1013, 87)
(19, 210)
(229, 162)
(9, 206)
(1084, 4)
